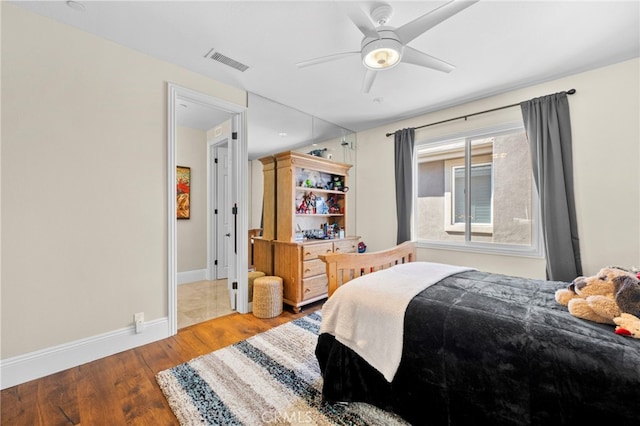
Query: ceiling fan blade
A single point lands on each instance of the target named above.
(368, 80)
(323, 59)
(413, 29)
(360, 19)
(413, 56)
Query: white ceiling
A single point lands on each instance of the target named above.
(496, 46)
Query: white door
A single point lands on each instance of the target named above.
(222, 213)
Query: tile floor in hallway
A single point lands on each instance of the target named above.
(202, 300)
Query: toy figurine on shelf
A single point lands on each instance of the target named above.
(336, 183)
(334, 207)
(302, 209)
(308, 204)
(312, 203)
(321, 206)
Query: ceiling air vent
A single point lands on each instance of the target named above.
(212, 54)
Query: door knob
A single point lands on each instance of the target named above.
(228, 234)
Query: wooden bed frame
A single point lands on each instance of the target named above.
(343, 267)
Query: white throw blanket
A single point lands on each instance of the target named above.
(367, 313)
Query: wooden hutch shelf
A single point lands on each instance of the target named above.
(305, 213)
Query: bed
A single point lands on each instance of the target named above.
(478, 347)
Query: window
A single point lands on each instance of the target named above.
(476, 192)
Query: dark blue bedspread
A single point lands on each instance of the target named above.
(498, 350)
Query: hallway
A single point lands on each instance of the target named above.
(202, 300)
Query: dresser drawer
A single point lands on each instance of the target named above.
(311, 251)
(313, 287)
(313, 267)
(345, 246)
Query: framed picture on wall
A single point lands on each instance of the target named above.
(183, 192)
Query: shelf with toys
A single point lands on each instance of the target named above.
(319, 190)
(319, 202)
(311, 196)
(320, 214)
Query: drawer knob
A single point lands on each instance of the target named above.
(307, 270)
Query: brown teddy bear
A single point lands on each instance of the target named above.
(605, 298)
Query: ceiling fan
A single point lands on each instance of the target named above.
(384, 47)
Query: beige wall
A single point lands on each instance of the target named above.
(605, 119)
(191, 151)
(84, 182)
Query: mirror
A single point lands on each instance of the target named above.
(273, 127)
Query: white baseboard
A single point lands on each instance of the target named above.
(23, 368)
(192, 276)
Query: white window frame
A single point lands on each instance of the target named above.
(452, 172)
(534, 250)
(450, 225)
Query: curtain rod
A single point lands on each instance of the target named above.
(569, 92)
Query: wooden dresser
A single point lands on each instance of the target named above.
(303, 273)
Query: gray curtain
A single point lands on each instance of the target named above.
(548, 126)
(404, 181)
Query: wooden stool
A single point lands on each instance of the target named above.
(252, 276)
(267, 297)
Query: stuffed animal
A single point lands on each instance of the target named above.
(604, 297)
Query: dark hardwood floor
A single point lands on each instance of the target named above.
(121, 389)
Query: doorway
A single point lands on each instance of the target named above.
(235, 195)
(219, 211)
(204, 294)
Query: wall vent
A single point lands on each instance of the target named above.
(219, 57)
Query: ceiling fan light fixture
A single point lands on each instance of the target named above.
(382, 58)
(382, 54)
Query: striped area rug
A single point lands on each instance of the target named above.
(270, 378)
